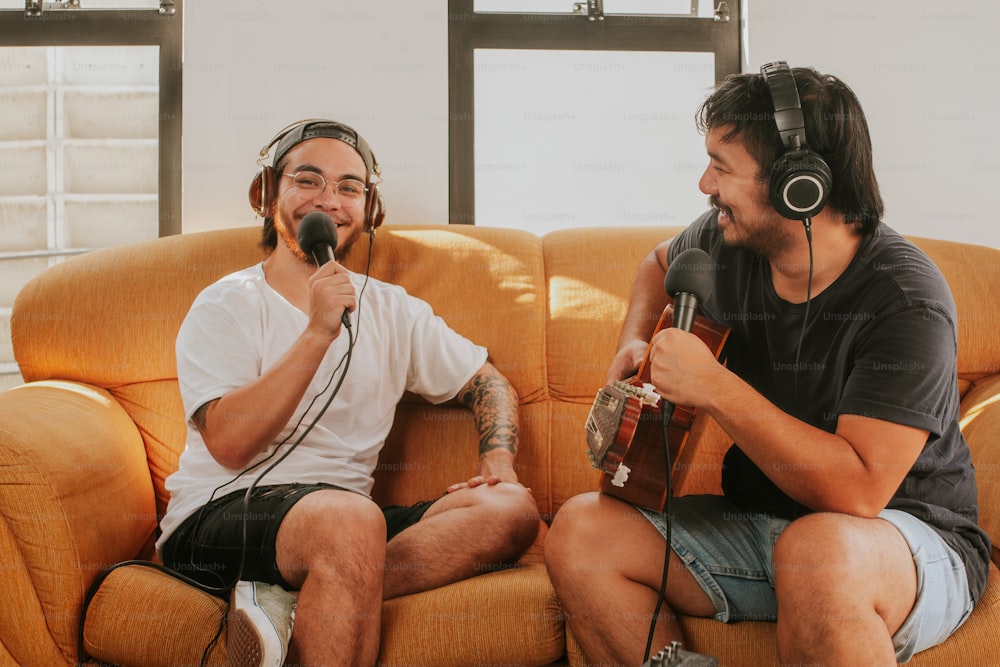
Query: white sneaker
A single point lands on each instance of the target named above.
(260, 624)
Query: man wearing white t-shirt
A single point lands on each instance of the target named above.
(272, 489)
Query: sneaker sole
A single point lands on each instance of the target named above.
(244, 642)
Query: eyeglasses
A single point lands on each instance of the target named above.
(313, 184)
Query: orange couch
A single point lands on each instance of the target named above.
(86, 443)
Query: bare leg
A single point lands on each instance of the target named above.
(606, 562)
(844, 585)
(465, 533)
(331, 545)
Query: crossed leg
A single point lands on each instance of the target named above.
(464, 533)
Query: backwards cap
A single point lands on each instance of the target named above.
(332, 130)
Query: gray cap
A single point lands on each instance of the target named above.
(313, 129)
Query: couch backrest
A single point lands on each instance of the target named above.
(973, 274)
(549, 309)
(110, 319)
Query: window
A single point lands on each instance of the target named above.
(567, 114)
(90, 138)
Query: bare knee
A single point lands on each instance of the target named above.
(507, 511)
(515, 513)
(572, 526)
(816, 548)
(583, 528)
(329, 530)
(820, 567)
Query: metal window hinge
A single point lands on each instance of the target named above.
(36, 7)
(594, 9)
(722, 13)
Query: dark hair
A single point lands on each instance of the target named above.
(835, 129)
(268, 234)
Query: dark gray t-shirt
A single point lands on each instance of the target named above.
(880, 342)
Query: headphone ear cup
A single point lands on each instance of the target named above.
(262, 191)
(375, 209)
(800, 185)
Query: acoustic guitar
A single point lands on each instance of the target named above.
(625, 427)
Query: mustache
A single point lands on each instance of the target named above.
(716, 203)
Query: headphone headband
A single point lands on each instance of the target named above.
(787, 109)
(800, 179)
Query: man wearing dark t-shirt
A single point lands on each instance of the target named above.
(849, 510)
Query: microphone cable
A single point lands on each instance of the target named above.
(666, 414)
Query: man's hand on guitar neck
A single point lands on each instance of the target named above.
(627, 360)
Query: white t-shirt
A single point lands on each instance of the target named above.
(239, 326)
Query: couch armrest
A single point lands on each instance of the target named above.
(980, 422)
(75, 497)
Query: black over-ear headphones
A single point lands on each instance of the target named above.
(264, 187)
(800, 179)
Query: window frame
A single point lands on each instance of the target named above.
(133, 27)
(469, 30)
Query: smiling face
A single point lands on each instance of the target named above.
(335, 161)
(734, 187)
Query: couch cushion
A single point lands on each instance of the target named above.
(589, 274)
(509, 617)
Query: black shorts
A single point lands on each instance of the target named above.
(208, 545)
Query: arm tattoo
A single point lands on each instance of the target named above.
(493, 403)
(200, 417)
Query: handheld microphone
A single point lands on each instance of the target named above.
(690, 280)
(317, 237)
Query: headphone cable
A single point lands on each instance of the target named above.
(807, 223)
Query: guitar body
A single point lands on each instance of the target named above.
(625, 428)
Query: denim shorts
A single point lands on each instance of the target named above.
(209, 545)
(730, 553)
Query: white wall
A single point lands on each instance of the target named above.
(254, 66)
(926, 72)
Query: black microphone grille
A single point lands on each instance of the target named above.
(316, 228)
(692, 271)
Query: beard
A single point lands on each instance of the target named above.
(761, 234)
(291, 242)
